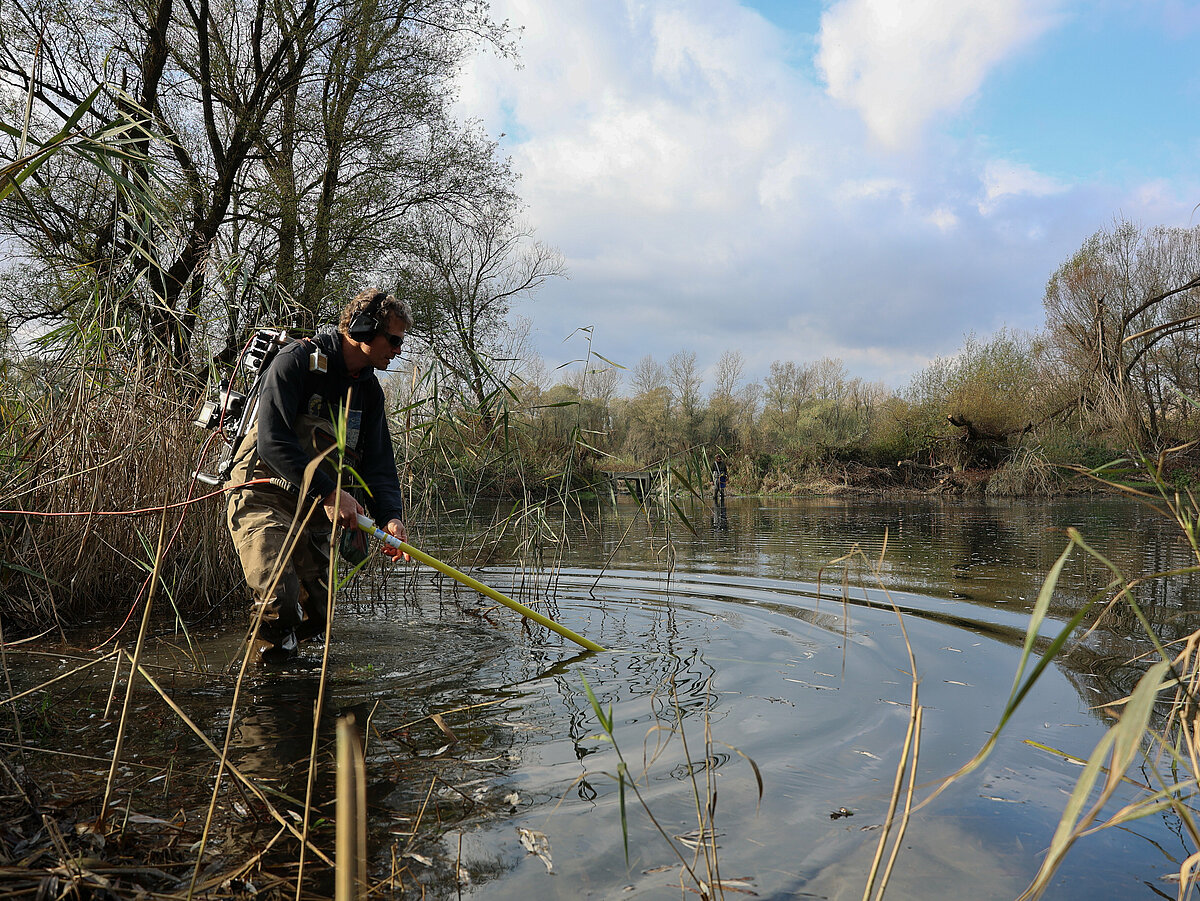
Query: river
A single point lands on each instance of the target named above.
(775, 662)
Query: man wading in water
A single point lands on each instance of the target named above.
(720, 473)
(303, 392)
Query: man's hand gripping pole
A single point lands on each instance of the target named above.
(367, 525)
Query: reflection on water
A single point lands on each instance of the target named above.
(745, 638)
(811, 681)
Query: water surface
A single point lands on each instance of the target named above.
(744, 632)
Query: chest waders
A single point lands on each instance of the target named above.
(290, 588)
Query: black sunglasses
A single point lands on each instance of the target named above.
(394, 340)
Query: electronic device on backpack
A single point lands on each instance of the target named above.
(231, 413)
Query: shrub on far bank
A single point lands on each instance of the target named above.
(898, 432)
(1067, 447)
(1026, 472)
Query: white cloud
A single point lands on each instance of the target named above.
(877, 188)
(943, 218)
(901, 62)
(1002, 178)
(708, 195)
(780, 181)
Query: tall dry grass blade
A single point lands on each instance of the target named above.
(319, 704)
(233, 770)
(119, 745)
(332, 586)
(704, 824)
(350, 881)
(8, 683)
(112, 689)
(908, 799)
(911, 741)
(42, 687)
(295, 532)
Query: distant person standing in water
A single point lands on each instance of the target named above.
(720, 474)
(306, 389)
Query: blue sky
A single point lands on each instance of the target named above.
(862, 179)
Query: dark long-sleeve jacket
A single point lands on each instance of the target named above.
(292, 391)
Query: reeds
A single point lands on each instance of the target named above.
(210, 877)
(702, 872)
(1157, 725)
(98, 444)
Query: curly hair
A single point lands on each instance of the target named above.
(381, 305)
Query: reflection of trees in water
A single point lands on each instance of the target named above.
(1107, 661)
(993, 556)
(989, 555)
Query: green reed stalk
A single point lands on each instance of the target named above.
(1170, 683)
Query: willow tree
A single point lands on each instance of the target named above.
(462, 270)
(728, 408)
(286, 143)
(1122, 316)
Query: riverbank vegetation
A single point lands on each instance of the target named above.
(161, 218)
(1113, 372)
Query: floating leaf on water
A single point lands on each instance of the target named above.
(695, 837)
(438, 753)
(420, 858)
(866, 754)
(741, 885)
(839, 813)
(512, 800)
(441, 724)
(666, 868)
(537, 843)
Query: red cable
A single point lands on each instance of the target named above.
(162, 509)
(143, 510)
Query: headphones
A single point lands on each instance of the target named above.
(365, 325)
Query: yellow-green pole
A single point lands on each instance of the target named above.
(368, 525)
